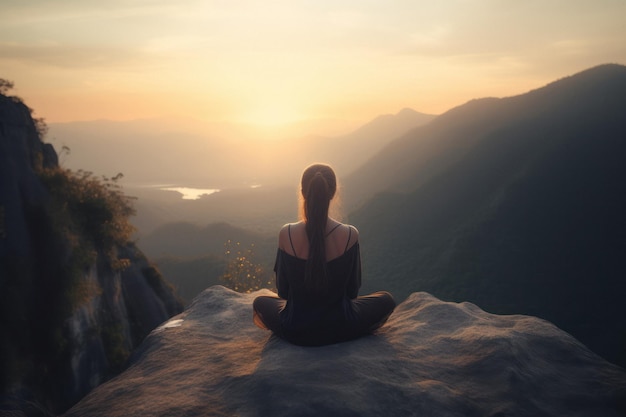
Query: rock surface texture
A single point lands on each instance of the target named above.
(432, 358)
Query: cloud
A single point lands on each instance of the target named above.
(38, 11)
(73, 56)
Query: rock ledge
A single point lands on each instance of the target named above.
(433, 358)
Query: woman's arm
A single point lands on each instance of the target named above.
(282, 283)
(354, 280)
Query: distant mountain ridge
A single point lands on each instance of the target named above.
(194, 257)
(515, 204)
(214, 156)
(417, 156)
(189, 240)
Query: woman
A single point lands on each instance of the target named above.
(318, 275)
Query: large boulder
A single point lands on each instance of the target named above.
(432, 358)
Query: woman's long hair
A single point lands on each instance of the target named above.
(319, 185)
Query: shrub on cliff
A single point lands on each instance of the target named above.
(91, 213)
(89, 210)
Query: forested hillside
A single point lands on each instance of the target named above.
(516, 204)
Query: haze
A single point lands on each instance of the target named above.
(274, 62)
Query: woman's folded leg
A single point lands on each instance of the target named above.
(373, 310)
(266, 311)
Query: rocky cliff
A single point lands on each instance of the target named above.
(73, 302)
(432, 358)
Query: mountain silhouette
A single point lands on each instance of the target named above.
(183, 239)
(515, 204)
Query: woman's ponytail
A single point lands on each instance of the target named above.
(318, 188)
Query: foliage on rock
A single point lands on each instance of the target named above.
(243, 273)
(92, 213)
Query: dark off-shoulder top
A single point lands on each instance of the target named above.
(323, 315)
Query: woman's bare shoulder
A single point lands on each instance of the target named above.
(287, 234)
(291, 227)
(353, 235)
(355, 231)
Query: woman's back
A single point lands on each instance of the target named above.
(293, 239)
(321, 314)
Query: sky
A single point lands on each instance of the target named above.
(278, 61)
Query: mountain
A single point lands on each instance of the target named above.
(346, 153)
(432, 358)
(426, 151)
(185, 239)
(193, 258)
(516, 204)
(76, 295)
(191, 276)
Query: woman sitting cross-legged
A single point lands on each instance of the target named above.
(318, 275)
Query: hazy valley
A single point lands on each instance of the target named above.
(256, 177)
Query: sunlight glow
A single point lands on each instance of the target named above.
(272, 114)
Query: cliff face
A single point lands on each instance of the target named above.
(68, 319)
(21, 151)
(432, 358)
